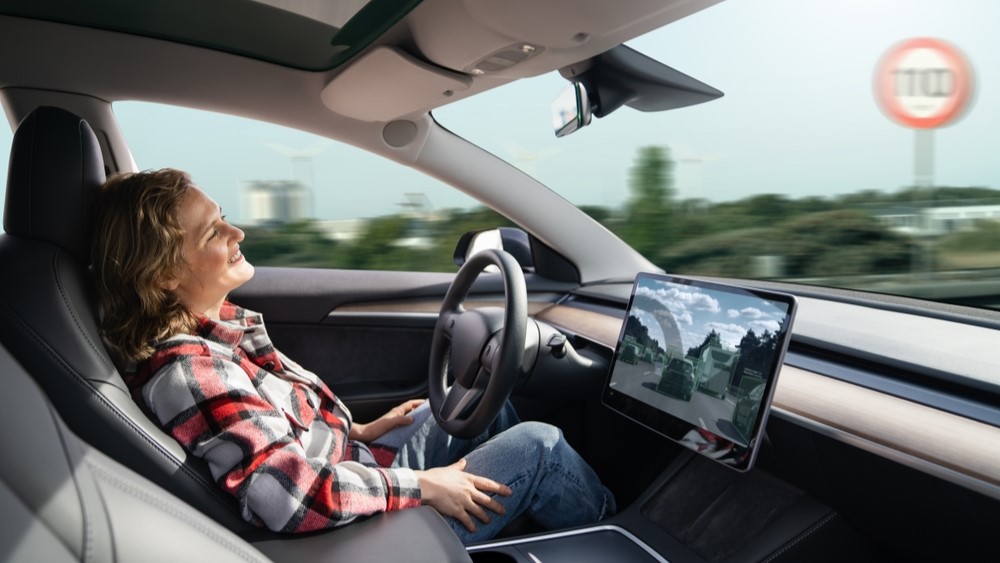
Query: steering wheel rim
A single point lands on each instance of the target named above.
(483, 348)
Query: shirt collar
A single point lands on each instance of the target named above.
(234, 323)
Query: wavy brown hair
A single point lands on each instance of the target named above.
(137, 247)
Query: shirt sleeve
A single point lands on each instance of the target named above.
(256, 453)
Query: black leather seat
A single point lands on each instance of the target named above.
(48, 322)
(48, 311)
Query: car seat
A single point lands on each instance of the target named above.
(48, 308)
(48, 320)
(63, 500)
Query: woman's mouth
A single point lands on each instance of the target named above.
(236, 257)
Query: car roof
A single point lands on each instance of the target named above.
(446, 49)
(303, 35)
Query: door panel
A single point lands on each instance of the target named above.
(367, 334)
(371, 366)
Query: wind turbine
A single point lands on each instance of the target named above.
(302, 165)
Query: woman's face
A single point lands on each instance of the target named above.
(215, 265)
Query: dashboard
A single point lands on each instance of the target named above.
(879, 386)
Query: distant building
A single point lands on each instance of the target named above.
(276, 202)
(938, 220)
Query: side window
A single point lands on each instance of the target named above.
(304, 200)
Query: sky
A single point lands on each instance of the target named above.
(799, 115)
(798, 118)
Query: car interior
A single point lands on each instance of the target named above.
(879, 445)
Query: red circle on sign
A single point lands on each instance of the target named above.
(891, 74)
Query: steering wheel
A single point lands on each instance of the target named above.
(482, 348)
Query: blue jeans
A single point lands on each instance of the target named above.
(551, 483)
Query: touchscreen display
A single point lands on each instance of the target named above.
(697, 362)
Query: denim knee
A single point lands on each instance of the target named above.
(539, 437)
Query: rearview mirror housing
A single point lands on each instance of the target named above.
(623, 76)
(571, 109)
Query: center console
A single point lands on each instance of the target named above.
(697, 512)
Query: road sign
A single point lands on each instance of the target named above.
(924, 83)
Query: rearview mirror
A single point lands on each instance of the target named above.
(571, 109)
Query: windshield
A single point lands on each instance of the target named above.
(800, 172)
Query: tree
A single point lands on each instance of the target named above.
(711, 339)
(299, 244)
(815, 244)
(649, 211)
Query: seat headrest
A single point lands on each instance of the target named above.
(55, 171)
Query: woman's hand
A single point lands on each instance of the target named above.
(453, 492)
(377, 428)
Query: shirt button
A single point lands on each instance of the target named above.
(269, 366)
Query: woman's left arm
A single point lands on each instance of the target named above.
(397, 416)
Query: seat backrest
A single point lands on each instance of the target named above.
(62, 500)
(48, 308)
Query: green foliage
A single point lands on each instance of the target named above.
(841, 242)
(650, 206)
(393, 242)
(984, 237)
(815, 244)
(721, 254)
(811, 236)
(296, 244)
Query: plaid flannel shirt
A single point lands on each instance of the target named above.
(272, 433)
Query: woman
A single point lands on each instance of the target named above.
(273, 434)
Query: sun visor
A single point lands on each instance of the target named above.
(386, 84)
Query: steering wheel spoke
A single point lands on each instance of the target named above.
(458, 401)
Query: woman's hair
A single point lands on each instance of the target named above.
(136, 249)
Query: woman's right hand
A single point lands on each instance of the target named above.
(453, 492)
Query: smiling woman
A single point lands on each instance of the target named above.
(273, 434)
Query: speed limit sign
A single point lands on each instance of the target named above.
(923, 83)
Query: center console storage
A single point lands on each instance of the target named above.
(699, 512)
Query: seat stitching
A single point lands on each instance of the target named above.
(101, 353)
(801, 537)
(171, 508)
(88, 529)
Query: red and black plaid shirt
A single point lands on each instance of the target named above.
(273, 433)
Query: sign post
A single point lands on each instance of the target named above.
(923, 83)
